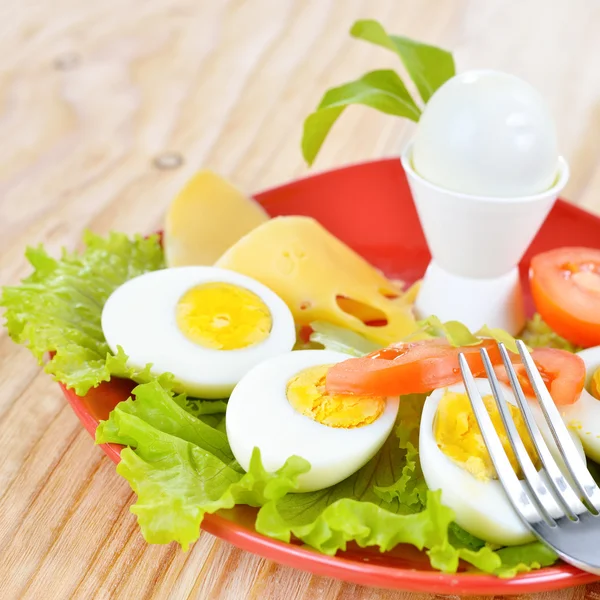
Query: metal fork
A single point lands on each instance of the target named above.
(560, 508)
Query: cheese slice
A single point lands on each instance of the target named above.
(321, 279)
(207, 217)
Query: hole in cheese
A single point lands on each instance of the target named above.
(369, 315)
(389, 295)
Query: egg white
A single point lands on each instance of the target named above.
(259, 415)
(482, 507)
(140, 316)
(584, 415)
(487, 133)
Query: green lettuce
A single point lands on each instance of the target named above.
(177, 456)
(181, 469)
(538, 334)
(387, 503)
(58, 308)
(333, 337)
(460, 335)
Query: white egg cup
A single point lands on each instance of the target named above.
(476, 243)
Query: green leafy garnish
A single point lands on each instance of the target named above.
(181, 469)
(382, 90)
(454, 331)
(460, 335)
(336, 338)
(538, 334)
(178, 459)
(58, 307)
(521, 559)
(500, 336)
(428, 67)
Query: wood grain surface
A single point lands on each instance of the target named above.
(106, 109)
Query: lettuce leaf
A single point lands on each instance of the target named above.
(369, 510)
(336, 338)
(181, 469)
(177, 456)
(59, 306)
(525, 558)
(460, 335)
(538, 334)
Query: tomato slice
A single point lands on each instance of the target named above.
(565, 284)
(411, 368)
(562, 372)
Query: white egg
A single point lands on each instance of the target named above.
(584, 415)
(487, 133)
(481, 507)
(260, 415)
(141, 317)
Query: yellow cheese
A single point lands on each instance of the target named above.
(321, 279)
(206, 218)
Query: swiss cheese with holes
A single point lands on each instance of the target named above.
(321, 279)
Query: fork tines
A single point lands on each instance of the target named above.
(561, 502)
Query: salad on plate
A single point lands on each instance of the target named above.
(276, 368)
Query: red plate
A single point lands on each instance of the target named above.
(369, 207)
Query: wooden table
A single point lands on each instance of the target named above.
(98, 100)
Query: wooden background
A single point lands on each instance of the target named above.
(94, 97)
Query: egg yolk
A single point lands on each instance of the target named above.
(222, 316)
(458, 436)
(307, 394)
(595, 385)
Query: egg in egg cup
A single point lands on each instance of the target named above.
(484, 172)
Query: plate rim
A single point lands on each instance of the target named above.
(363, 573)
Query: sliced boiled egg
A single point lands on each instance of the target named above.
(206, 326)
(454, 460)
(282, 408)
(584, 415)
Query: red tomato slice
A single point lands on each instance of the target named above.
(565, 284)
(562, 372)
(412, 368)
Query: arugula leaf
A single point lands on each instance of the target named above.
(382, 90)
(428, 66)
(58, 307)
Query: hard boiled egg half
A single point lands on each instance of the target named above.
(454, 460)
(281, 407)
(584, 415)
(206, 326)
